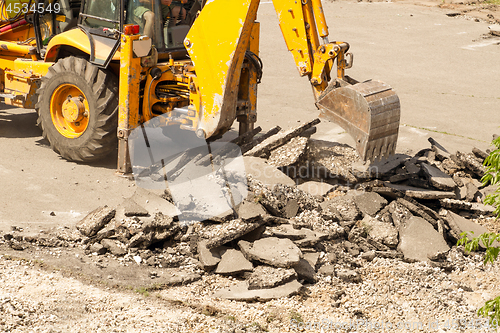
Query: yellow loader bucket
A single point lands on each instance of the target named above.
(369, 111)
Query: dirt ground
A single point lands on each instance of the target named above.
(440, 82)
(486, 11)
(60, 289)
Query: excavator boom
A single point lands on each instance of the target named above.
(97, 70)
(369, 111)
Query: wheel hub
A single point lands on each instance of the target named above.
(69, 110)
(73, 109)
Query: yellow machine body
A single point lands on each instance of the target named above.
(72, 39)
(203, 84)
(219, 72)
(12, 9)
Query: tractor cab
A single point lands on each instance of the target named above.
(166, 25)
(103, 21)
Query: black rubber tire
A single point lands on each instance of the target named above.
(101, 91)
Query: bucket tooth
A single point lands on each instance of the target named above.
(384, 149)
(369, 111)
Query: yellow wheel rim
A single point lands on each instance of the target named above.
(69, 110)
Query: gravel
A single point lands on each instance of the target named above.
(356, 289)
(390, 291)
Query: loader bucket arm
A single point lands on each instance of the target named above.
(217, 43)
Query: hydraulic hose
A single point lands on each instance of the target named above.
(3, 10)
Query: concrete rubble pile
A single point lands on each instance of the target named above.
(320, 212)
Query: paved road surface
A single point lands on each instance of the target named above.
(445, 81)
(448, 86)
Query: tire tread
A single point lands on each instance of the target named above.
(104, 87)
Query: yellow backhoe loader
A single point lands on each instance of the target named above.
(96, 69)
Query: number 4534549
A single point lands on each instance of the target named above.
(16, 8)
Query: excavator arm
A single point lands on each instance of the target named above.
(218, 43)
(369, 111)
(300, 31)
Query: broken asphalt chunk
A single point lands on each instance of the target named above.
(115, 247)
(400, 214)
(421, 193)
(233, 262)
(348, 275)
(154, 203)
(441, 152)
(381, 232)
(470, 162)
(479, 153)
(465, 205)
(131, 208)
(459, 224)
(471, 191)
(420, 210)
(482, 193)
(277, 252)
(265, 173)
(259, 138)
(249, 210)
(230, 148)
(221, 234)
(327, 270)
(311, 239)
(269, 277)
(209, 258)
(97, 248)
(291, 208)
(264, 149)
(419, 239)
(327, 160)
(289, 153)
(285, 231)
(305, 271)
(389, 254)
(379, 169)
(315, 188)
(438, 179)
(344, 205)
(388, 192)
(95, 220)
(312, 258)
(495, 30)
(370, 203)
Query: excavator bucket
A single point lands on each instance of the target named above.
(369, 111)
